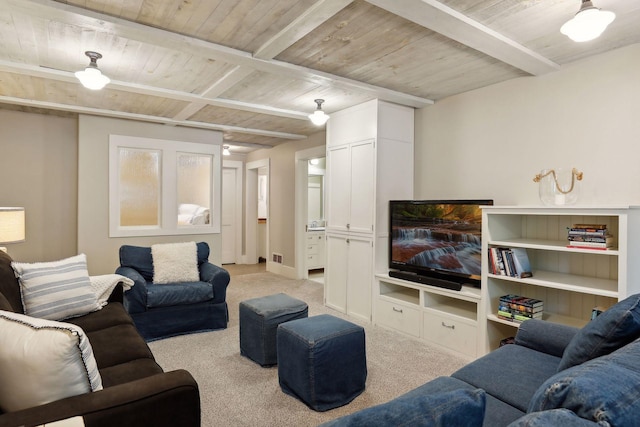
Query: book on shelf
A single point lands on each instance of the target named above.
(496, 261)
(590, 226)
(520, 317)
(521, 260)
(512, 262)
(518, 308)
(601, 239)
(517, 302)
(590, 245)
(588, 232)
(590, 236)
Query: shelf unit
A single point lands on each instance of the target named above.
(441, 316)
(570, 281)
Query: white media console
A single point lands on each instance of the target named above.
(570, 281)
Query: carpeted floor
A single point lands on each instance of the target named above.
(234, 391)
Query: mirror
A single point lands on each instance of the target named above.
(315, 193)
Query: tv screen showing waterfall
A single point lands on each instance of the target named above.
(441, 239)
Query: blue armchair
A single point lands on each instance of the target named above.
(165, 310)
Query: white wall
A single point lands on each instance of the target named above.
(490, 142)
(38, 170)
(93, 188)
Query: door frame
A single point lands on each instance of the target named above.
(251, 206)
(302, 158)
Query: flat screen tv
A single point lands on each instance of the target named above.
(436, 242)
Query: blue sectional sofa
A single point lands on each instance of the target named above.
(553, 375)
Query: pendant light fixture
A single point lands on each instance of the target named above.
(91, 77)
(588, 23)
(318, 117)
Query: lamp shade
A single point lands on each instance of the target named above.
(12, 229)
(92, 78)
(318, 117)
(589, 23)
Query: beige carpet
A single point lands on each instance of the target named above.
(234, 391)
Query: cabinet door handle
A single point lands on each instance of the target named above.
(397, 310)
(448, 326)
(348, 226)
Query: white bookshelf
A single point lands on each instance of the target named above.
(570, 281)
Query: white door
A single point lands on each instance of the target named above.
(363, 173)
(229, 215)
(338, 188)
(335, 272)
(359, 277)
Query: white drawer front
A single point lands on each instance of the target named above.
(312, 249)
(450, 333)
(398, 316)
(313, 261)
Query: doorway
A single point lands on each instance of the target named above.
(253, 194)
(302, 220)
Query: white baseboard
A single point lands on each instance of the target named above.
(283, 270)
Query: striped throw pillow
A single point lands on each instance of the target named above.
(56, 290)
(43, 361)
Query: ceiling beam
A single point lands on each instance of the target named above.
(246, 144)
(90, 20)
(233, 77)
(311, 19)
(146, 118)
(66, 76)
(442, 19)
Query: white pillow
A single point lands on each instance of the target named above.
(42, 361)
(56, 290)
(175, 262)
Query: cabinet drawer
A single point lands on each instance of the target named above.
(312, 249)
(397, 316)
(451, 333)
(313, 260)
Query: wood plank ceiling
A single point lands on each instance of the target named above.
(252, 68)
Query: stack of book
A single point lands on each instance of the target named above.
(512, 262)
(518, 309)
(590, 236)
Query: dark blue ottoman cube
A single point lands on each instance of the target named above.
(259, 320)
(322, 361)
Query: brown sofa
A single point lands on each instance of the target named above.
(137, 392)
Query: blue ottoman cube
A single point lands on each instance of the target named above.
(259, 320)
(322, 361)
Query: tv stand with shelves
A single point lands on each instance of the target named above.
(441, 316)
(570, 281)
(425, 280)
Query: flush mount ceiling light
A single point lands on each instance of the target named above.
(91, 77)
(588, 23)
(225, 150)
(318, 117)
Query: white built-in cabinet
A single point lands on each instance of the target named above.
(570, 281)
(349, 273)
(315, 249)
(369, 162)
(442, 317)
